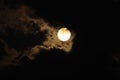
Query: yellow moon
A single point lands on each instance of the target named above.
(64, 34)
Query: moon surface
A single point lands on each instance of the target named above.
(64, 34)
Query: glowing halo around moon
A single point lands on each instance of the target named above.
(64, 34)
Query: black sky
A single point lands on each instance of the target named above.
(96, 25)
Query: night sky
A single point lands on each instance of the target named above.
(96, 46)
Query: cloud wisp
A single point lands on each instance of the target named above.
(16, 24)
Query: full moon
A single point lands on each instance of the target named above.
(64, 34)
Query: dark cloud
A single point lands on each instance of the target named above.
(22, 35)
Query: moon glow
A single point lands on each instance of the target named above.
(64, 34)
